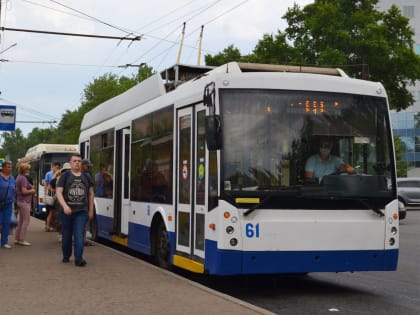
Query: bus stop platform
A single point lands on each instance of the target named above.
(35, 281)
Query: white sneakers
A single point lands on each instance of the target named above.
(24, 243)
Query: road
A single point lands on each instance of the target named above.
(395, 292)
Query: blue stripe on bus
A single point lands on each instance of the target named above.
(226, 262)
(139, 235)
(229, 262)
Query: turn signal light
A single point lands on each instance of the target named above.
(226, 215)
(212, 226)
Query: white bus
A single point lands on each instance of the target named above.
(41, 157)
(204, 169)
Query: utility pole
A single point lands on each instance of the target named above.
(181, 44)
(199, 46)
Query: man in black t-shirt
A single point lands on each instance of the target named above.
(75, 194)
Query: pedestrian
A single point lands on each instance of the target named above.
(57, 220)
(50, 192)
(24, 195)
(75, 194)
(7, 199)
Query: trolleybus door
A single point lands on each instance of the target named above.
(121, 183)
(191, 165)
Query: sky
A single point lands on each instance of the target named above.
(45, 75)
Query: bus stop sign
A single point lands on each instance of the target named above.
(7, 117)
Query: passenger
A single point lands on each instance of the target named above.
(323, 163)
(7, 198)
(108, 184)
(76, 196)
(24, 195)
(99, 181)
(50, 192)
(57, 221)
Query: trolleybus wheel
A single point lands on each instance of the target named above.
(162, 247)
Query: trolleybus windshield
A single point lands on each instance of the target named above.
(269, 135)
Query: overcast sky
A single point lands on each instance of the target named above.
(45, 74)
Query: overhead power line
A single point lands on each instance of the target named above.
(71, 34)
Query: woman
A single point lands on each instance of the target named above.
(56, 224)
(24, 193)
(7, 198)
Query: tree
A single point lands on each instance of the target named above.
(101, 89)
(14, 145)
(95, 93)
(349, 34)
(229, 54)
(354, 35)
(273, 50)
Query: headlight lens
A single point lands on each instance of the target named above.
(229, 229)
(233, 242)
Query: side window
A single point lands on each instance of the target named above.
(151, 157)
(102, 157)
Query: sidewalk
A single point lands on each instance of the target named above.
(35, 281)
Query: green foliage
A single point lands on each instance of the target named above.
(14, 145)
(365, 42)
(101, 89)
(349, 34)
(273, 50)
(229, 54)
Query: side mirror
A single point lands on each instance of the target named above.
(213, 133)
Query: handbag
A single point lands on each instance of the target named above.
(49, 200)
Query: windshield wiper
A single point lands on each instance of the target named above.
(257, 205)
(374, 209)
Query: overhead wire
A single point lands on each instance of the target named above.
(58, 63)
(199, 28)
(28, 110)
(196, 12)
(92, 17)
(200, 11)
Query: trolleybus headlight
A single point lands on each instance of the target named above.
(393, 230)
(391, 241)
(233, 241)
(234, 219)
(229, 229)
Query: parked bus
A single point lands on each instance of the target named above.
(41, 157)
(204, 169)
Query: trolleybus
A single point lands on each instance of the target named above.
(204, 169)
(41, 157)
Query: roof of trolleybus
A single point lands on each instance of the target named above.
(181, 83)
(38, 150)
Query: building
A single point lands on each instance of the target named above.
(406, 123)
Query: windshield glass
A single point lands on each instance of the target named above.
(268, 137)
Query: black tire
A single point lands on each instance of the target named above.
(162, 247)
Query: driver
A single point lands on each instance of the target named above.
(323, 163)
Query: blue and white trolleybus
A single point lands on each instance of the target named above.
(204, 168)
